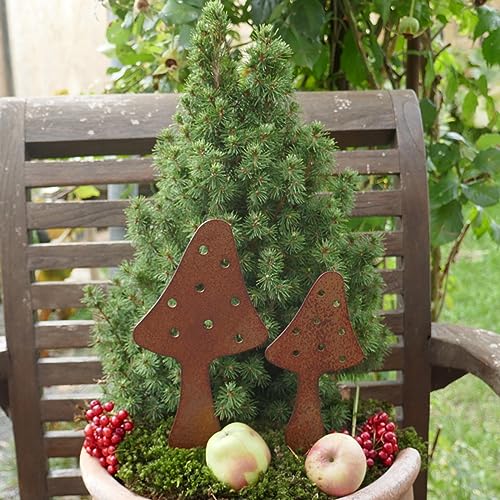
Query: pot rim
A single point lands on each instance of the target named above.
(394, 483)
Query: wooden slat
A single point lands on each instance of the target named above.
(62, 405)
(393, 280)
(103, 213)
(71, 255)
(112, 253)
(75, 173)
(393, 243)
(62, 482)
(63, 443)
(119, 124)
(394, 320)
(376, 203)
(62, 334)
(99, 213)
(141, 170)
(23, 384)
(60, 294)
(69, 370)
(369, 162)
(390, 391)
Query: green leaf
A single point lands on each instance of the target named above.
(491, 111)
(482, 85)
(383, 7)
(488, 160)
(486, 141)
(488, 20)
(321, 65)
(86, 192)
(351, 61)
(469, 106)
(179, 12)
(117, 35)
(305, 51)
(307, 17)
(444, 190)
(262, 10)
(483, 193)
(429, 113)
(444, 156)
(446, 223)
(491, 48)
(494, 231)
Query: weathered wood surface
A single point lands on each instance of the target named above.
(4, 369)
(103, 213)
(23, 381)
(415, 225)
(141, 170)
(63, 482)
(463, 350)
(120, 124)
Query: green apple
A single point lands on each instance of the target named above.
(237, 454)
(336, 464)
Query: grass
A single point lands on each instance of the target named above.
(465, 463)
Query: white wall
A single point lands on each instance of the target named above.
(54, 46)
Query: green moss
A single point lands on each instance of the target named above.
(151, 468)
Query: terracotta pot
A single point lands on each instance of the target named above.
(395, 484)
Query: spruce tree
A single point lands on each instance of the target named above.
(239, 151)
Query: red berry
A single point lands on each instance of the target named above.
(112, 460)
(128, 425)
(359, 440)
(96, 452)
(103, 462)
(122, 414)
(383, 417)
(89, 430)
(395, 448)
(88, 449)
(111, 450)
(115, 421)
(104, 420)
(372, 454)
(382, 455)
(388, 461)
(107, 432)
(365, 435)
(115, 439)
(390, 437)
(106, 441)
(111, 469)
(120, 431)
(370, 462)
(388, 448)
(391, 426)
(89, 415)
(95, 402)
(368, 444)
(366, 452)
(108, 406)
(95, 420)
(97, 410)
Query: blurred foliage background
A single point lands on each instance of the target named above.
(448, 51)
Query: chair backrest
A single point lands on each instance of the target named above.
(48, 142)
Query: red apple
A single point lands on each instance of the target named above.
(236, 455)
(336, 464)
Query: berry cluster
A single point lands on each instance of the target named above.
(378, 439)
(104, 431)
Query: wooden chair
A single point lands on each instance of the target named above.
(379, 134)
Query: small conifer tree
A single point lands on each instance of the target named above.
(239, 151)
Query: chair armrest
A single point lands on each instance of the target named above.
(4, 390)
(456, 350)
